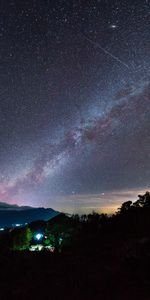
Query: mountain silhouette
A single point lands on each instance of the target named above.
(10, 215)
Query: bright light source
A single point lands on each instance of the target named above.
(36, 247)
(113, 26)
(38, 236)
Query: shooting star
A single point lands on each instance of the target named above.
(106, 52)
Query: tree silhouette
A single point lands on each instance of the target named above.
(143, 201)
(21, 238)
(125, 207)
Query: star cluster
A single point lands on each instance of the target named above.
(74, 102)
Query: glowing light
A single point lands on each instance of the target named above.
(36, 247)
(38, 236)
(113, 26)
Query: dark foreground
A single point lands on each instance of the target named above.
(120, 272)
(108, 258)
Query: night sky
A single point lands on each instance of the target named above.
(74, 103)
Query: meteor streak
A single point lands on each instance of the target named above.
(106, 52)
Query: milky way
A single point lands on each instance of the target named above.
(74, 103)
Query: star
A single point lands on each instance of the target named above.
(74, 98)
(113, 26)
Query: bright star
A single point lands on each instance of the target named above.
(113, 26)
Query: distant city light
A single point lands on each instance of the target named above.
(1, 229)
(36, 247)
(38, 236)
(60, 240)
